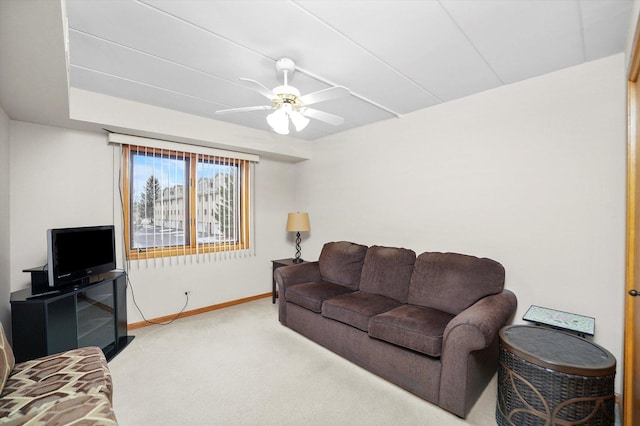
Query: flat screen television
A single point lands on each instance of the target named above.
(76, 254)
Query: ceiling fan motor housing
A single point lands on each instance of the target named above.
(286, 94)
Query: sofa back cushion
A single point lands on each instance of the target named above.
(452, 282)
(387, 272)
(7, 360)
(341, 263)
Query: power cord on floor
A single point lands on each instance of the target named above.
(133, 297)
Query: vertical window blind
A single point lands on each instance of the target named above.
(184, 203)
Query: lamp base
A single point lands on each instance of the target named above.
(297, 258)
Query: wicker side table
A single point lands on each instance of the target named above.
(550, 377)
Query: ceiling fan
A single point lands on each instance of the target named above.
(289, 105)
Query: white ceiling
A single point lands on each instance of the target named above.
(395, 56)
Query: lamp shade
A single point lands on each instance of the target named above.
(298, 222)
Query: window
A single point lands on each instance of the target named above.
(167, 195)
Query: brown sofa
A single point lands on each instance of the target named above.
(72, 387)
(429, 323)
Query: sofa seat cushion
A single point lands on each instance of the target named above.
(311, 295)
(413, 327)
(40, 382)
(356, 309)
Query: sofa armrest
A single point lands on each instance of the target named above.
(297, 274)
(287, 276)
(487, 316)
(469, 350)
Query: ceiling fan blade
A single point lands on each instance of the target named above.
(322, 116)
(260, 88)
(244, 109)
(324, 95)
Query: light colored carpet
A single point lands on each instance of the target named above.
(239, 366)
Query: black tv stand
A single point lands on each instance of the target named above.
(53, 321)
(44, 294)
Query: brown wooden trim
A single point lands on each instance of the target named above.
(634, 66)
(126, 212)
(243, 226)
(141, 324)
(150, 253)
(627, 391)
(193, 215)
(630, 372)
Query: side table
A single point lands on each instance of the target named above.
(278, 264)
(548, 377)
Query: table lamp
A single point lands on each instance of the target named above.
(298, 222)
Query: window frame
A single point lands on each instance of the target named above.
(193, 247)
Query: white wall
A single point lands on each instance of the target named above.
(59, 178)
(531, 174)
(62, 177)
(5, 286)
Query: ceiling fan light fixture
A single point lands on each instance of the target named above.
(298, 120)
(279, 121)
